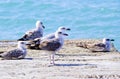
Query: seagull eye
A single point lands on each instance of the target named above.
(63, 28)
(60, 32)
(41, 23)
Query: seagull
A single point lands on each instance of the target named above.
(35, 33)
(18, 53)
(53, 45)
(33, 44)
(105, 46)
(52, 35)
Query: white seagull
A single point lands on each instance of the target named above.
(33, 44)
(52, 35)
(35, 33)
(18, 53)
(53, 45)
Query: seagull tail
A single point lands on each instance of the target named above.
(24, 38)
(21, 39)
(1, 53)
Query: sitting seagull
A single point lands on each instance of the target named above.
(53, 45)
(105, 46)
(35, 33)
(33, 44)
(18, 53)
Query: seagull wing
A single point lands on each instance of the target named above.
(50, 45)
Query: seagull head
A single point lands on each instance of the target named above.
(39, 25)
(63, 29)
(22, 45)
(106, 40)
(107, 43)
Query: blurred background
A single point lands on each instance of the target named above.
(88, 19)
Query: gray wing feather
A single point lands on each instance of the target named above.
(31, 36)
(50, 36)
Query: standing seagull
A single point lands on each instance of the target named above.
(52, 35)
(34, 44)
(18, 53)
(35, 33)
(53, 45)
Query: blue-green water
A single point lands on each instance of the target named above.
(93, 19)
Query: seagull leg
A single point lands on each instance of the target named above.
(50, 59)
(53, 61)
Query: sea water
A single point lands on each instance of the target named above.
(88, 19)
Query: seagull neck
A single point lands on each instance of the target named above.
(106, 42)
(60, 38)
(38, 27)
(57, 36)
(107, 45)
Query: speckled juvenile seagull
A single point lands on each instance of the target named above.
(18, 53)
(53, 45)
(35, 33)
(105, 46)
(33, 44)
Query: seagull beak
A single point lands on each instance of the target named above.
(43, 27)
(65, 34)
(68, 29)
(112, 40)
